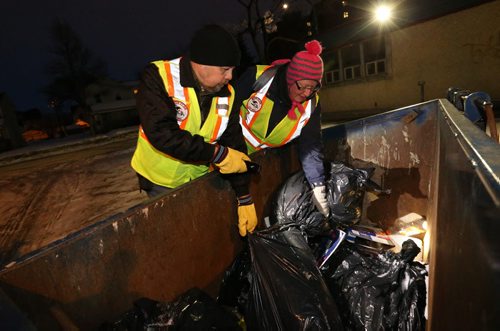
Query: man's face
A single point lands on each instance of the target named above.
(212, 78)
(301, 90)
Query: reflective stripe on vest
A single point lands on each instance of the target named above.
(162, 169)
(255, 113)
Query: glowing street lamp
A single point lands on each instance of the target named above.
(285, 6)
(382, 13)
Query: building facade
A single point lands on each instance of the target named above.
(113, 104)
(369, 69)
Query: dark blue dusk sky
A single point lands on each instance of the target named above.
(125, 34)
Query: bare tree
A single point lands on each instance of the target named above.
(257, 21)
(262, 18)
(72, 69)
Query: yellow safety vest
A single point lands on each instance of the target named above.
(163, 169)
(255, 113)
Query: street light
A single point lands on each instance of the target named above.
(382, 13)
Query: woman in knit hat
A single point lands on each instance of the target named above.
(279, 103)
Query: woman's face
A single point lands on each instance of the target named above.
(301, 90)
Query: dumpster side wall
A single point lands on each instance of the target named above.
(465, 257)
(158, 250)
(401, 147)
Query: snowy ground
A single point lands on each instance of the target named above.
(46, 198)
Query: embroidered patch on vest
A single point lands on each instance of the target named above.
(254, 104)
(181, 109)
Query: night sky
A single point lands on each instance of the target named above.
(125, 34)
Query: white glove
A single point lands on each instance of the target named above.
(319, 200)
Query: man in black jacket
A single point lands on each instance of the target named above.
(188, 122)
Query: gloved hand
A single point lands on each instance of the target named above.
(247, 217)
(319, 200)
(230, 160)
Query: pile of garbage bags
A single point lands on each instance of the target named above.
(379, 292)
(305, 272)
(286, 290)
(193, 310)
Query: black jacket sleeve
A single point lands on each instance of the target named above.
(311, 149)
(158, 119)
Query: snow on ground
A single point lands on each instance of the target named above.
(46, 198)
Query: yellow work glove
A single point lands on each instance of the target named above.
(230, 161)
(247, 217)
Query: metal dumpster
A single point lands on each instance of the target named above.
(436, 163)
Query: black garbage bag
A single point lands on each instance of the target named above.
(292, 203)
(145, 310)
(380, 292)
(235, 285)
(346, 187)
(193, 310)
(196, 310)
(287, 291)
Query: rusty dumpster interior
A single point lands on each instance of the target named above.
(435, 163)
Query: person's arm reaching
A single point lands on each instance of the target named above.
(311, 158)
(233, 137)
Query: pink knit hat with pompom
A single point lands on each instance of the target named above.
(306, 64)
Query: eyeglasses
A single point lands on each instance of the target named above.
(311, 89)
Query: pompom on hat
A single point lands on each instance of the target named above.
(306, 64)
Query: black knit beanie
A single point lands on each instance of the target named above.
(213, 45)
